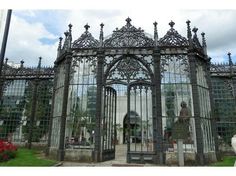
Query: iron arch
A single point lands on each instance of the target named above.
(146, 66)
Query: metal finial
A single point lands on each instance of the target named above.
(195, 30)
(155, 24)
(6, 60)
(70, 26)
(189, 34)
(203, 39)
(230, 64)
(188, 22)
(86, 27)
(40, 60)
(60, 40)
(101, 35)
(22, 63)
(171, 24)
(59, 44)
(230, 60)
(155, 33)
(66, 33)
(128, 20)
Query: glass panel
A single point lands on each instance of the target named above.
(177, 103)
(57, 107)
(141, 126)
(109, 119)
(225, 112)
(205, 108)
(16, 111)
(12, 112)
(81, 108)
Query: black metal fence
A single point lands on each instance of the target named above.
(25, 107)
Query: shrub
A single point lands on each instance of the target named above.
(7, 150)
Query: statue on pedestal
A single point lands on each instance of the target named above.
(181, 126)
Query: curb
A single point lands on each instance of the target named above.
(58, 164)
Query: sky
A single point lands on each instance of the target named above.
(34, 33)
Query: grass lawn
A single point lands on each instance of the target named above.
(26, 157)
(227, 161)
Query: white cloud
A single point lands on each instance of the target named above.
(24, 43)
(218, 25)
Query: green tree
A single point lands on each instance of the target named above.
(170, 108)
(11, 117)
(11, 107)
(43, 109)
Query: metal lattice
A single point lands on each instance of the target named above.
(26, 104)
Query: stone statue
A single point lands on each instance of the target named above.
(184, 114)
(181, 131)
(181, 126)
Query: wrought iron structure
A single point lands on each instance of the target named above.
(128, 87)
(26, 103)
(223, 90)
(157, 74)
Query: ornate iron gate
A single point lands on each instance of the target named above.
(109, 124)
(140, 123)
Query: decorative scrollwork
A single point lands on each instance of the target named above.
(175, 61)
(28, 73)
(128, 36)
(184, 62)
(91, 62)
(164, 63)
(221, 69)
(173, 38)
(128, 69)
(86, 40)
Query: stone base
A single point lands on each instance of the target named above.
(78, 155)
(189, 158)
(172, 159)
(210, 157)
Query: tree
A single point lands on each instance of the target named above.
(11, 117)
(11, 108)
(170, 109)
(43, 109)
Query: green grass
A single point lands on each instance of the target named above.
(26, 157)
(227, 161)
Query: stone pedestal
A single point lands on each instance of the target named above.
(180, 133)
(180, 152)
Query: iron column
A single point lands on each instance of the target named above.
(3, 48)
